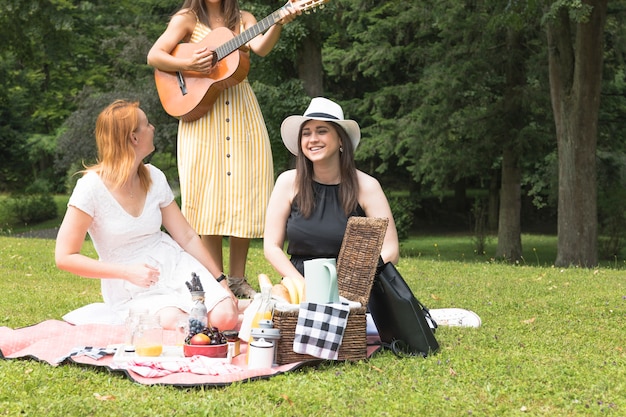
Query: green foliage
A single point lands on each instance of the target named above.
(429, 83)
(73, 174)
(278, 102)
(32, 208)
(403, 211)
(577, 10)
(611, 203)
(11, 226)
(278, 91)
(542, 181)
(53, 51)
(47, 38)
(76, 141)
(274, 78)
(35, 205)
(14, 172)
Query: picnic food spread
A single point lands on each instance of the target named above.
(288, 289)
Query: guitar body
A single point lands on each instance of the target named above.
(201, 89)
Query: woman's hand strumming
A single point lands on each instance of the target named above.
(203, 60)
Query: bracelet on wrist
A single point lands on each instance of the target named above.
(221, 278)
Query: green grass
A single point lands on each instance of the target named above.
(537, 250)
(552, 344)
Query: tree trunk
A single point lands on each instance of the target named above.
(575, 60)
(310, 69)
(494, 201)
(509, 224)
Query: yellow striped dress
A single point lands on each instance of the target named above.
(225, 164)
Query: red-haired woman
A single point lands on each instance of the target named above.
(123, 203)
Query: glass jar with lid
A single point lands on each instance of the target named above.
(198, 313)
(148, 338)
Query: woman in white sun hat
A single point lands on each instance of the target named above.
(310, 205)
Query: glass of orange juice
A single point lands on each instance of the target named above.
(148, 338)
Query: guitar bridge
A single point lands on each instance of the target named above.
(181, 83)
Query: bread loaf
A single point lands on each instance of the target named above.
(280, 291)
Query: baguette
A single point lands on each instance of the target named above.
(264, 280)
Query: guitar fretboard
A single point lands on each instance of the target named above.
(248, 34)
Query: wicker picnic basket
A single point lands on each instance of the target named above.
(356, 268)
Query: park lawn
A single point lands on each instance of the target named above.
(552, 344)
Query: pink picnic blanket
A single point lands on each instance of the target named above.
(57, 342)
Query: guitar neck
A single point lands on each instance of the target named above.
(248, 34)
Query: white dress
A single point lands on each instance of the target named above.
(121, 238)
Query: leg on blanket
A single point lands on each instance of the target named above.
(171, 316)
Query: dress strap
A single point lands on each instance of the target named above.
(196, 15)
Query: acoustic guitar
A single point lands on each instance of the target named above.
(188, 95)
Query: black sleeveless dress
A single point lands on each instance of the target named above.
(320, 235)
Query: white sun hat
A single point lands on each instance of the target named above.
(320, 109)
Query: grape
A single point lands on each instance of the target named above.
(195, 326)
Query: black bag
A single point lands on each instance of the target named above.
(402, 321)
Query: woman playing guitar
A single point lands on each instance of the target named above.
(224, 157)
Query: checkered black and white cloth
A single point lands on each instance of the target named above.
(320, 328)
(90, 351)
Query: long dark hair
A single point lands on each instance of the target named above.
(348, 187)
(230, 10)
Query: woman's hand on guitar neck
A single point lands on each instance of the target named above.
(202, 60)
(289, 12)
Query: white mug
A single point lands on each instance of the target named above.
(261, 354)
